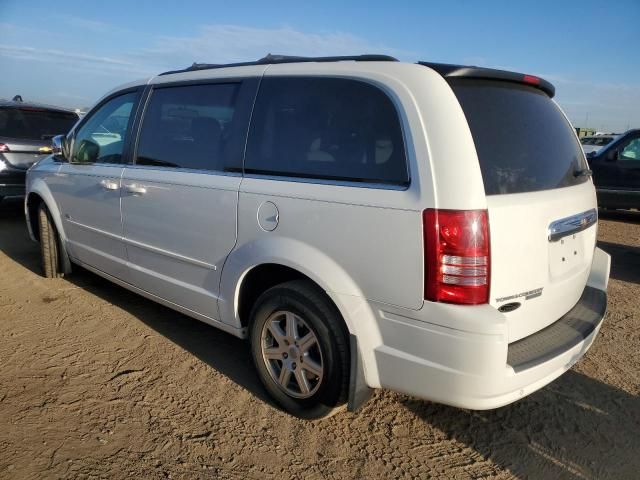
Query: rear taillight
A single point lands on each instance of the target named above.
(457, 256)
(531, 80)
(3, 148)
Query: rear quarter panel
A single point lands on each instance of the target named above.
(374, 235)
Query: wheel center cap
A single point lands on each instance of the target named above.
(293, 351)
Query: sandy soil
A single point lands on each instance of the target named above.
(97, 382)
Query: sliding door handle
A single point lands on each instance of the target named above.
(135, 189)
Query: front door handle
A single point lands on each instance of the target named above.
(109, 184)
(136, 189)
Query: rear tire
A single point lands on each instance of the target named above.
(304, 367)
(49, 244)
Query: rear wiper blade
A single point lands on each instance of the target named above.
(586, 172)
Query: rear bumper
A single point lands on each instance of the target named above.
(12, 182)
(470, 368)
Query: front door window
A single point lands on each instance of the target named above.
(101, 139)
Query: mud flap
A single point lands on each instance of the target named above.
(66, 261)
(600, 270)
(359, 391)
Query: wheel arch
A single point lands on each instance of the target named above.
(289, 259)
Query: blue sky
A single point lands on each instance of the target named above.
(71, 52)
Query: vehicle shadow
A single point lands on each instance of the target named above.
(575, 428)
(14, 238)
(625, 261)
(223, 352)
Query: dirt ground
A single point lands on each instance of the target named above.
(96, 382)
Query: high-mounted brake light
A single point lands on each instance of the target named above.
(457, 256)
(4, 148)
(530, 79)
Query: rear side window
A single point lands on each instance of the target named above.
(523, 141)
(326, 128)
(34, 123)
(188, 126)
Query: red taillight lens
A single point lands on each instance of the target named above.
(457, 256)
(3, 147)
(531, 80)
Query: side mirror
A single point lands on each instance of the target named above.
(60, 148)
(87, 152)
(612, 156)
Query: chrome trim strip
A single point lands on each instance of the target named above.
(144, 246)
(92, 229)
(573, 224)
(166, 253)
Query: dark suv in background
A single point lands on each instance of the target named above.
(616, 171)
(26, 130)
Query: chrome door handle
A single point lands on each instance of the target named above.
(109, 184)
(136, 189)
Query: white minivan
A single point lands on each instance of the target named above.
(364, 223)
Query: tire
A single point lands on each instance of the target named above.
(308, 394)
(49, 244)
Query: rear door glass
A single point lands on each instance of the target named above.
(34, 123)
(523, 141)
(326, 128)
(190, 127)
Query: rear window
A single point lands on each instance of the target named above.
(601, 141)
(34, 124)
(523, 141)
(326, 128)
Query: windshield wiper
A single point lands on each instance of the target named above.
(586, 172)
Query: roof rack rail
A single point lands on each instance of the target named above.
(274, 59)
(466, 71)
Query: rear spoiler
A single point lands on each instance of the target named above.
(461, 71)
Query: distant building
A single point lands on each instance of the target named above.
(584, 132)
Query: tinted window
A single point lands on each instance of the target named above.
(523, 141)
(631, 150)
(326, 128)
(34, 124)
(101, 138)
(188, 126)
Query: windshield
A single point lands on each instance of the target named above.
(34, 124)
(523, 141)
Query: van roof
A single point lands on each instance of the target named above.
(446, 70)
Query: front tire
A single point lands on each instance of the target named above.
(49, 244)
(300, 349)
